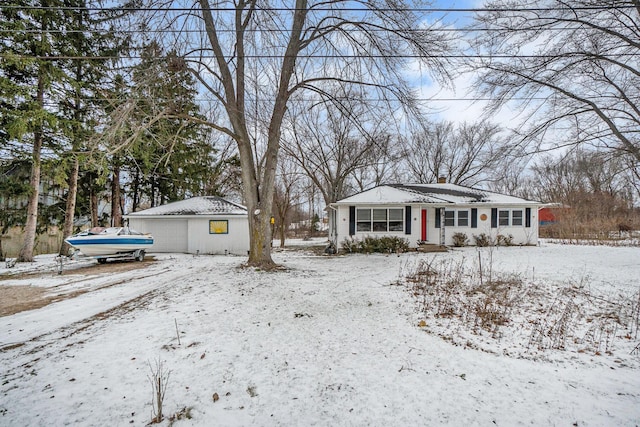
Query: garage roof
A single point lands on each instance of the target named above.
(205, 205)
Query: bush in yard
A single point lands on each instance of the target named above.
(384, 244)
(460, 239)
(483, 240)
(350, 245)
(370, 245)
(505, 240)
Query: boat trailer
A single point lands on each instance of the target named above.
(137, 255)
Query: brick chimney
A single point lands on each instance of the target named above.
(442, 180)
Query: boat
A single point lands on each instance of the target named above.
(111, 242)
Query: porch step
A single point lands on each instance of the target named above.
(432, 247)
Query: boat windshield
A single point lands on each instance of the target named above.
(120, 231)
(129, 231)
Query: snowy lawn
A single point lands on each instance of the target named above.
(330, 341)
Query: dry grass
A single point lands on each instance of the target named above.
(469, 306)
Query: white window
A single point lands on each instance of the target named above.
(463, 218)
(507, 218)
(449, 218)
(516, 217)
(503, 218)
(363, 219)
(380, 220)
(396, 220)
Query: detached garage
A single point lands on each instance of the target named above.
(205, 225)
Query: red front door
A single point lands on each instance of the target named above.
(423, 233)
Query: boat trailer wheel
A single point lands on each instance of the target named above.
(139, 255)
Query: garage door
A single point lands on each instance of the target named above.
(168, 235)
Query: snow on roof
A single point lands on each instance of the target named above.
(206, 205)
(433, 194)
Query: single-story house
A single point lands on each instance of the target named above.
(432, 213)
(204, 225)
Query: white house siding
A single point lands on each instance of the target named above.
(342, 218)
(183, 226)
(235, 242)
(522, 235)
(432, 198)
(169, 234)
(191, 234)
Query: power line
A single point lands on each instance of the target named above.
(276, 30)
(323, 9)
(328, 56)
(316, 100)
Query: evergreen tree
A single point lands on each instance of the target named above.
(82, 104)
(14, 189)
(27, 74)
(51, 79)
(167, 155)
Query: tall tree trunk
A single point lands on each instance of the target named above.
(283, 234)
(116, 212)
(260, 197)
(93, 202)
(258, 182)
(136, 199)
(153, 191)
(72, 194)
(26, 251)
(70, 211)
(283, 209)
(31, 225)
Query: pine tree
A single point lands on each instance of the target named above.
(86, 76)
(27, 75)
(168, 156)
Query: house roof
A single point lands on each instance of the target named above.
(442, 194)
(206, 205)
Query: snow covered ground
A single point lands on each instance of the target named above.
(330, 341)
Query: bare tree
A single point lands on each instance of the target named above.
(255, 55)
(513, 177)
(286, 195)
(564, 180)
(632, 173)
(592, 190)
(465, 154)
(384, 163)
(572, 65)
(332, 143)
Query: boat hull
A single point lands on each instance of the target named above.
(110, 244)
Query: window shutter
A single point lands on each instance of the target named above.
(527, 219)
(352, 220)
(474, 218)
(494, 217)
(407, 220)
(437, 217)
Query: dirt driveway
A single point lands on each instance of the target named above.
(15, 298)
